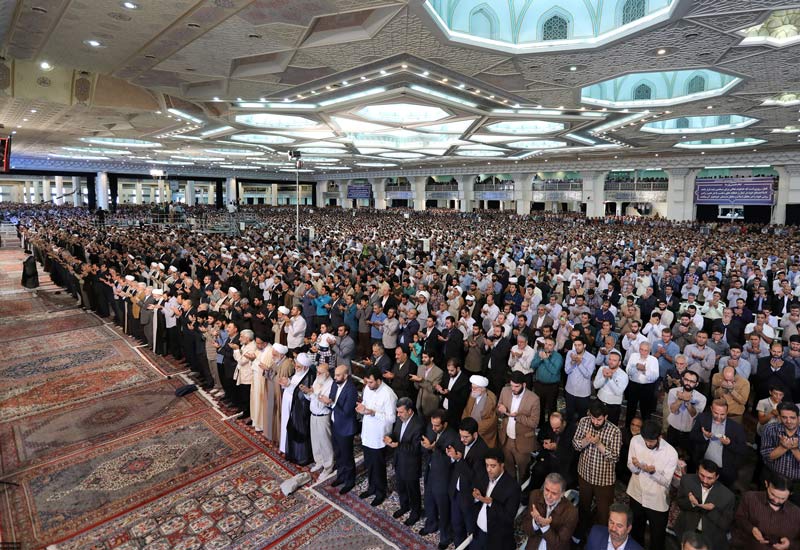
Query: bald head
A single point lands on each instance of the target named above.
(341, 373)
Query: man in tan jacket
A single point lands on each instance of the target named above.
(734, 389)
(519, 411)
(553, 518)
(481, 406)
(427, 378)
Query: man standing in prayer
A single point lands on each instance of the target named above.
(296, 413)
(243, 375)
(481, 405)
(378, 407)
(258, 387)
(321, 443)
(276, 368)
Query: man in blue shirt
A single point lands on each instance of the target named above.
(665, 351)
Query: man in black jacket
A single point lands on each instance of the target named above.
(437, 438)
(499, 349)
(719, 439)
(454, 389)
(468, 455)
(496, 496)
(405, 440)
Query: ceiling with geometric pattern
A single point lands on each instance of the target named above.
(357, 84)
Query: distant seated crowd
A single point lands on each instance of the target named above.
(542, 359)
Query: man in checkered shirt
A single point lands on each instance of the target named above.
(598, 442)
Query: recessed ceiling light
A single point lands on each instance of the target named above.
(462, 86)
(24, 120)
(45, 66)
(404, 66)
(345, 83)
(710, 107)
(93, 43)
(573, 68)
(363, 78)
(130, 6)
(33, 110)
(444, 79)
(383, 71)
(425, 73)
(661, 51)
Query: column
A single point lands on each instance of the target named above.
(101, 185)
(47, 191)
(466, 192)
(788, 191)
(76, 187)
(418, 187)
(190, 194)
(16, 193)
(319, 190)
(230, 190)
(60, 189)
(36, 193)
(594, 193)
(137, 196)
(211, 192)
(379, 193)
(343, 200)
(523, 193)
(274, 194)
(618, 209)
(680, 194)
(26, 197)
(240, 187)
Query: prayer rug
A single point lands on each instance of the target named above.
(30, 326)
(72, 493)
(32, 384)
(13, 305)
(241, 506)
(49, 342)
(380, 518)
(81, 425)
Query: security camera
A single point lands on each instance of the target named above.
(293, 155)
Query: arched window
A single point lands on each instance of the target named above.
(555, 28)
(642, 91)
(632, 10)
(483, 21)
(682, 123)
(723, 120)
(696, 85)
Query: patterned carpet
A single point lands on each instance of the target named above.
(105, 456)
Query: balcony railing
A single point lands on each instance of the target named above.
(494, 187)
(442, 187)
(398, 187)
(557, 186)
(636, 185)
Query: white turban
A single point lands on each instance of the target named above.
(280, 348)
(477, 380)
(304, 359)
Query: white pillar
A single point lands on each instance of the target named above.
(190, 194)
(680, 194)
(523, 193)
(137, 197)
(418, 187)
(36, 193)
(59, 189)
(594, 193)
(379, 193)
(211, 190)
(47, 191)
(76, 195)
(16, 193)
(788, 191)
(319, 190)
(343, 200)
(466, 192)
(274, 192)
(230, 190)
(618, 209)
(101, 186)
(25, 193)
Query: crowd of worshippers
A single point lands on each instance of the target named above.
(674, 354)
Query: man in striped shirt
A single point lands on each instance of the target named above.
(598, 442)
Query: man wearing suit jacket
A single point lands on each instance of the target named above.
(342, 401)
(705, 506)
(519, 409)
(428, 376)
(718, 439)
(452, 340)
(345, 346)
(553, 519)
(617, 534)
(454, 390)
(468, 463)
(539, 320)
(496, 499)
(405, 440)
(498, 349)
(379, 358)
(398, 378)
(438, 437)
(408, 328)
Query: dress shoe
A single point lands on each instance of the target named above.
(411, 520)
(337, 482)
(316, 468)
(365, 494)
(378, 501)
(425, 532)
(400, 513)
(346, 489)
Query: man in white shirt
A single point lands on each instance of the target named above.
(632, 339)
(610, 383)
(652, 462)
(295, 330)
(520, 359)
(496, 496)
(643, 371)
(378, 410)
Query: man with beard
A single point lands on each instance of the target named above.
(496, 498)
(454, 390)
(378, 408)
(553, 518)
(616, 535)
(598, 442)
(519, 410)
(398, 377)
(405, 440)
(296, 413)
(435, 442)
(428, 376)
(467, 456)
(684, 403)
(342, 403)
(321, 442)
(767, 519)
(705, 506)
(481, 406)
(557, 453)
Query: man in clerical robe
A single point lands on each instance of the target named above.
(296, 413)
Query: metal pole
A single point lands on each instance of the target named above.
(297, 207)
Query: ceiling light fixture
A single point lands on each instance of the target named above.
(45, 66)
(661, 51)
(130, 6)
(93, 43)
(573, 68)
